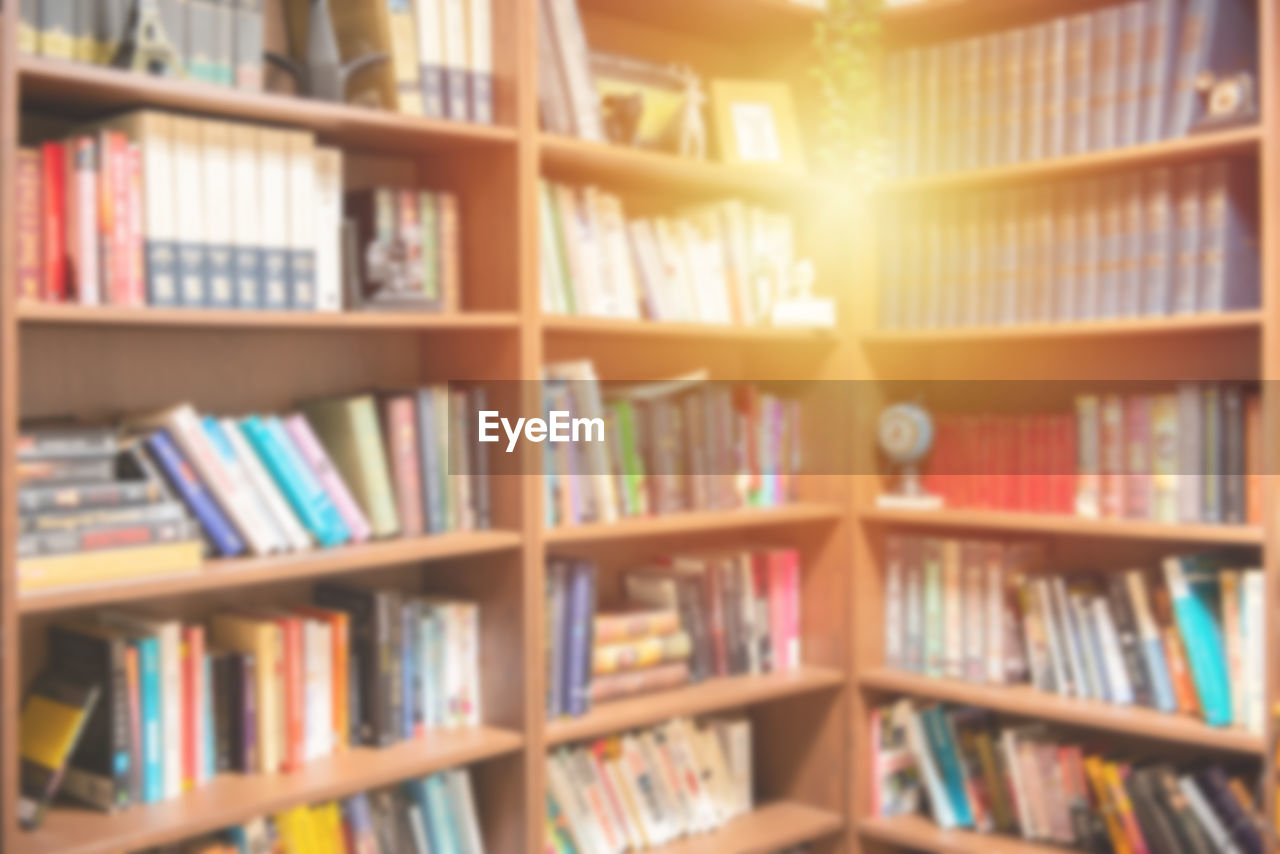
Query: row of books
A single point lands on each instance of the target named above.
(1187, 639)
(679, 445)
(1191, 455)
(253, 690)
(684, 618)
(1030, 781)
(423, 816)
(567, 94)
(1124, 74)
(217, 41)
(650, 787)
(96, 506)
(1169, 241)
(723, 263)
(441, 56)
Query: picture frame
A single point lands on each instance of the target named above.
(754, 124)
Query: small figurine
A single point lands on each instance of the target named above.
(146, 47)
(323, 74)
(1226, 100)
(693, 127)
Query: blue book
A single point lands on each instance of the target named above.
(1193, 589)
(411, 708)
(304, 493)
(1150, 644)
(445, 838)
(226, 540)
(149, 704)
(581, 609)
(415, 792)
(943, 744)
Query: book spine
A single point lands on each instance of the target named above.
(247, 44)
(225, 538)
(305, 494)
(215, 165)
(274, 218)
(322, 468)
(300, 170)
(1080, 65)
(192, 266)
(28, 225)
(153, 746)
(1189, 180)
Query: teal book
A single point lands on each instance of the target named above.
(943, 745)
(305, 494)
(149, 704)
(930, 773)
(210, 742)
(445, 838)
(1193, 589)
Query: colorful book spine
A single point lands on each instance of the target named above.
(306, 496)
(224, 537)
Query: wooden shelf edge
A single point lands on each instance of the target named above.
(765, 830)
(1231, 141)
(233, 798)
(1025, 701)
(1235, 321)
(920, 834)
(1062, 525)
(56, 80)
(688, 523)
(221, 574)
(58, 314)
(713, 695)
(608, 326)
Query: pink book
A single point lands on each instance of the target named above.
(793, 609)
(322, 467)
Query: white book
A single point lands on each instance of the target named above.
(301, 230)
(480, 59)
(617, 254)
(152, 131)
(994, 616)
(572, 53)
(323, 689)
(1252, 611)
(453, 29)
(636, 832)
(215, 161)
(220, 442)
(246, 213)
(328, 223)
(431, 57)
(572, 802)
(418, 827)
(273, 195)
(84, 160)
(471, 662)
(233, 493)
(673, 805)
(1109, 637)
(1091, 669)
(188, 188)
(281, 513)
(172, 726)
(459, 785)
(1207, 816)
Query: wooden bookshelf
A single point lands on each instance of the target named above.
(1181, 329)
(87, 360)
(919, 834)
(1025, 701)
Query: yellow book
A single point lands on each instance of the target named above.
(108, 565)
(261, 639)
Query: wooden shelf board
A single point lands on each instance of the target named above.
(1062, 525)
(1025, 701)
(710, 696)
(689, 523)
(920, 834)
(765, 830)
(582, 160)
(721, 20)
(952, 19)
(609, 326)
(59, 314)
(233, 798)
(242, 572)
(1226, 322)
(1234, 141)
(51, 82)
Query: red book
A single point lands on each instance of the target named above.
(135, 265)
(400, 423)
(716, 617)
(27, 218)
(294, 691)
(192, 705)
(1067, 464)
(1006, 450)
(133, 684)
(1024, 430)
(53, 156)
(1112, 456)
(114, 219)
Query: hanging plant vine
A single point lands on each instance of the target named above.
(847, 42)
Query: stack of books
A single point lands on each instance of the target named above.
(686, 618)
(667, 447)
(650, 787)
(151, 208)
(1169, 241)
(1187, 639)
(260, 689)
(435, 813)
(89, 508)
(219, 43)
(723, 263)
(1030, 781)
(1120, 75)
(1190, 455)
(339, 471)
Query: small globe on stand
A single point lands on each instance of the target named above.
(905, 435)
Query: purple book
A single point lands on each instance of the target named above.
(581, 613)
(313, 453)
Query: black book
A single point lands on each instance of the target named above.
(1215, 784)
(54, 717)
(99, 773)
(371, 657)
(1130, 644)
(1157, 825)
(1171, 798)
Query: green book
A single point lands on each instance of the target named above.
(350, 431)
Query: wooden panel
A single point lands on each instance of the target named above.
(920, 834)
(767, 829)
(686, 523)
(66, 314)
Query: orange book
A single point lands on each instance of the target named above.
(1113, 774)
(1184, 691)
(192, 705)
(340, 628)
(292, 689)
(1253, 461)
(632, 625)
(1106, 805)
